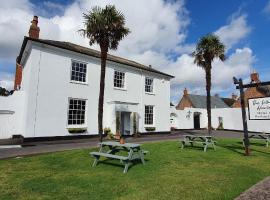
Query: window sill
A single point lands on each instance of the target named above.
(150, 93)
(76, 127)
(78, 82)
(123, 89)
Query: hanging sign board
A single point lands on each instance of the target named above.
(259, 108)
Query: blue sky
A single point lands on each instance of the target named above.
(164, 34)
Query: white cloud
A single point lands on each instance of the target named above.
(234, 32)
(266, 9)
(158, 28)
(7, 80)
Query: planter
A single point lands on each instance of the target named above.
(122, 141)
(77, 130)
(150, 128)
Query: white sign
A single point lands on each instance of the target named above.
(259, 108)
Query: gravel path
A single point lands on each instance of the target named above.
(260, 191)
(32, 148)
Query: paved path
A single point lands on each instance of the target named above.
(260, 191)
(32, 148)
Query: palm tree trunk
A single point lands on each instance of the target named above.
(104, 52)
(208, 99)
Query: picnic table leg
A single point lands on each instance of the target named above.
(183, 144)
(205, 147)
(267, 142)
(142, 156)
(127, 164)
(95, 161)
(214, 146)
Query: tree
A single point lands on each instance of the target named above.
(208, 48)
(106, 27)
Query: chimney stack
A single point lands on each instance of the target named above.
(18, 76)
(185, 92)
(254, 77)
(34, 29)
(234, 96)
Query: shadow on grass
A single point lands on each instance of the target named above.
(114, 163)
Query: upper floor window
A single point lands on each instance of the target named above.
(78, 71)
(149, 85)
(76, 112)
(119, 79)
(149, 115)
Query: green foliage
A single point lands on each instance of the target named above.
(169, 173)
(77, 130)
(150, 128)
(105, 27)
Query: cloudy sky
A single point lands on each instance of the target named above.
(163, 34)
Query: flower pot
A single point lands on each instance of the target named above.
(122, 141)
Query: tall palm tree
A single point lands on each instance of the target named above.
(106, 27)
(208, 48)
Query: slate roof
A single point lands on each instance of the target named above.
(229, 101)
(89, 52)
(199, 101)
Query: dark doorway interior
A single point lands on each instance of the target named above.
(197, 121)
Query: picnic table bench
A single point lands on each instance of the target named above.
(201, 139)
(259, 136)
(109, 150)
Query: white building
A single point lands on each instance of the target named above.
(59, 91)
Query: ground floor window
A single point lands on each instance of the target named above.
(76, 111)
(149, 115)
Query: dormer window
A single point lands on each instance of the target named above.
(148, 85)
(119, 79)
(78, 71)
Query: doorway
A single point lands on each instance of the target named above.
(197, 120)
(125, 123)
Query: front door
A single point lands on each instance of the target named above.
(125, 123)
(197, 121)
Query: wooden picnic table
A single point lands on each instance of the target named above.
(259, 136)
(199, 139)
(109, 149)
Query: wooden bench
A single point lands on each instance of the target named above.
(134, 152)
(204, 140)
(257, 136)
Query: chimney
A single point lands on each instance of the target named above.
(234, 96)
(254, 77)
(34, 29)
(185, 92)
(18, 76)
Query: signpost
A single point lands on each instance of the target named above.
(262, 105)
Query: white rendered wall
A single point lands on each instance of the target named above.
(11, 115)
(46, 82)
(232, 119)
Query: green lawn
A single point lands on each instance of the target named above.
(170, 173)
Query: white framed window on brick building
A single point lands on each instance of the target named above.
(149, 83)
(78, 72)
(149, 115)
(76, 112)
(119, 79)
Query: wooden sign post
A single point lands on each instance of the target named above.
(239, 85)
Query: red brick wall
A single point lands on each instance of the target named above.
(184, 103)
(18, 77)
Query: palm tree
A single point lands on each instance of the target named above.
(106, 27)
(208, 48)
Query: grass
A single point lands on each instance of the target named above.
(170, 173)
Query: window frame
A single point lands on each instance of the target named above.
(151, 92)
(153, 116)
(86, 74)
(124, 81)
(84, 125)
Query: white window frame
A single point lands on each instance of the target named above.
(151, 86)
(153, 113)
(71, 70)
(124, 80)
(84, 125)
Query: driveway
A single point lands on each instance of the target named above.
(32, 148)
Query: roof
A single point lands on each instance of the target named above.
(89, 52)
(199, 101)
(229, 101)
(264, 89)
